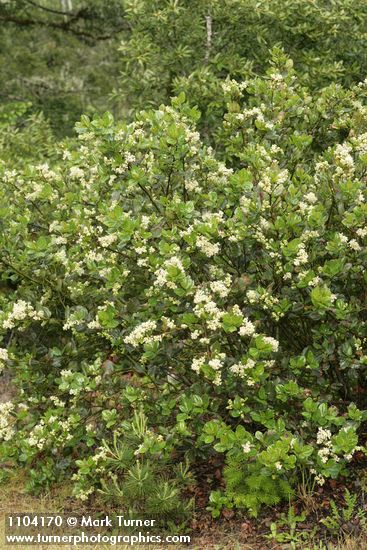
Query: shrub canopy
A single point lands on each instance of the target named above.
(164, 301)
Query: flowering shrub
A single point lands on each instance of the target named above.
(164, 302)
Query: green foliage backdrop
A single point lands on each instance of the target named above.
(70, 57)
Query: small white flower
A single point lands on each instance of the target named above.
(311, 198)
(323, 435)
(76, 172)
(320, 480)
(246, 447)
(107, 240)
(354, 245)
(206, 247)
(252, 296)
(274, 343)
(247, 328)
(4, 356)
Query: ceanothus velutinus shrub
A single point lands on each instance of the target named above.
(162, 305)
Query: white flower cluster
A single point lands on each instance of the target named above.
(252, 296)
(142, 334)
(320, 480)
(46, 172)
(94, 256)
(162, 274)
(354, 245)
(216, 363)
(102, 454)
(256, 113)
(197, 363)
(311, 197)
(83, 494)
(222, 287)
(344, 159)
(207, 309)
(326, 452)
(73, 321)
(54, 432)
(76, 172)
(192, 186)
(315, 281)
(107, 240)
(6, 429)
(266, 301)
(231, 87)
(21, 311)
(240, 368)
(247, 328)
(37, 189)
(271, 181)
(302, 256)
(206, 247)
(246, 447)
(4, 356)
(272, 342)
(57, 401)
(323, 435)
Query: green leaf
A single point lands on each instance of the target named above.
(231, 322)
(321, 297)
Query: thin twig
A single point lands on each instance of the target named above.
(209, 33)
(65, 26)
